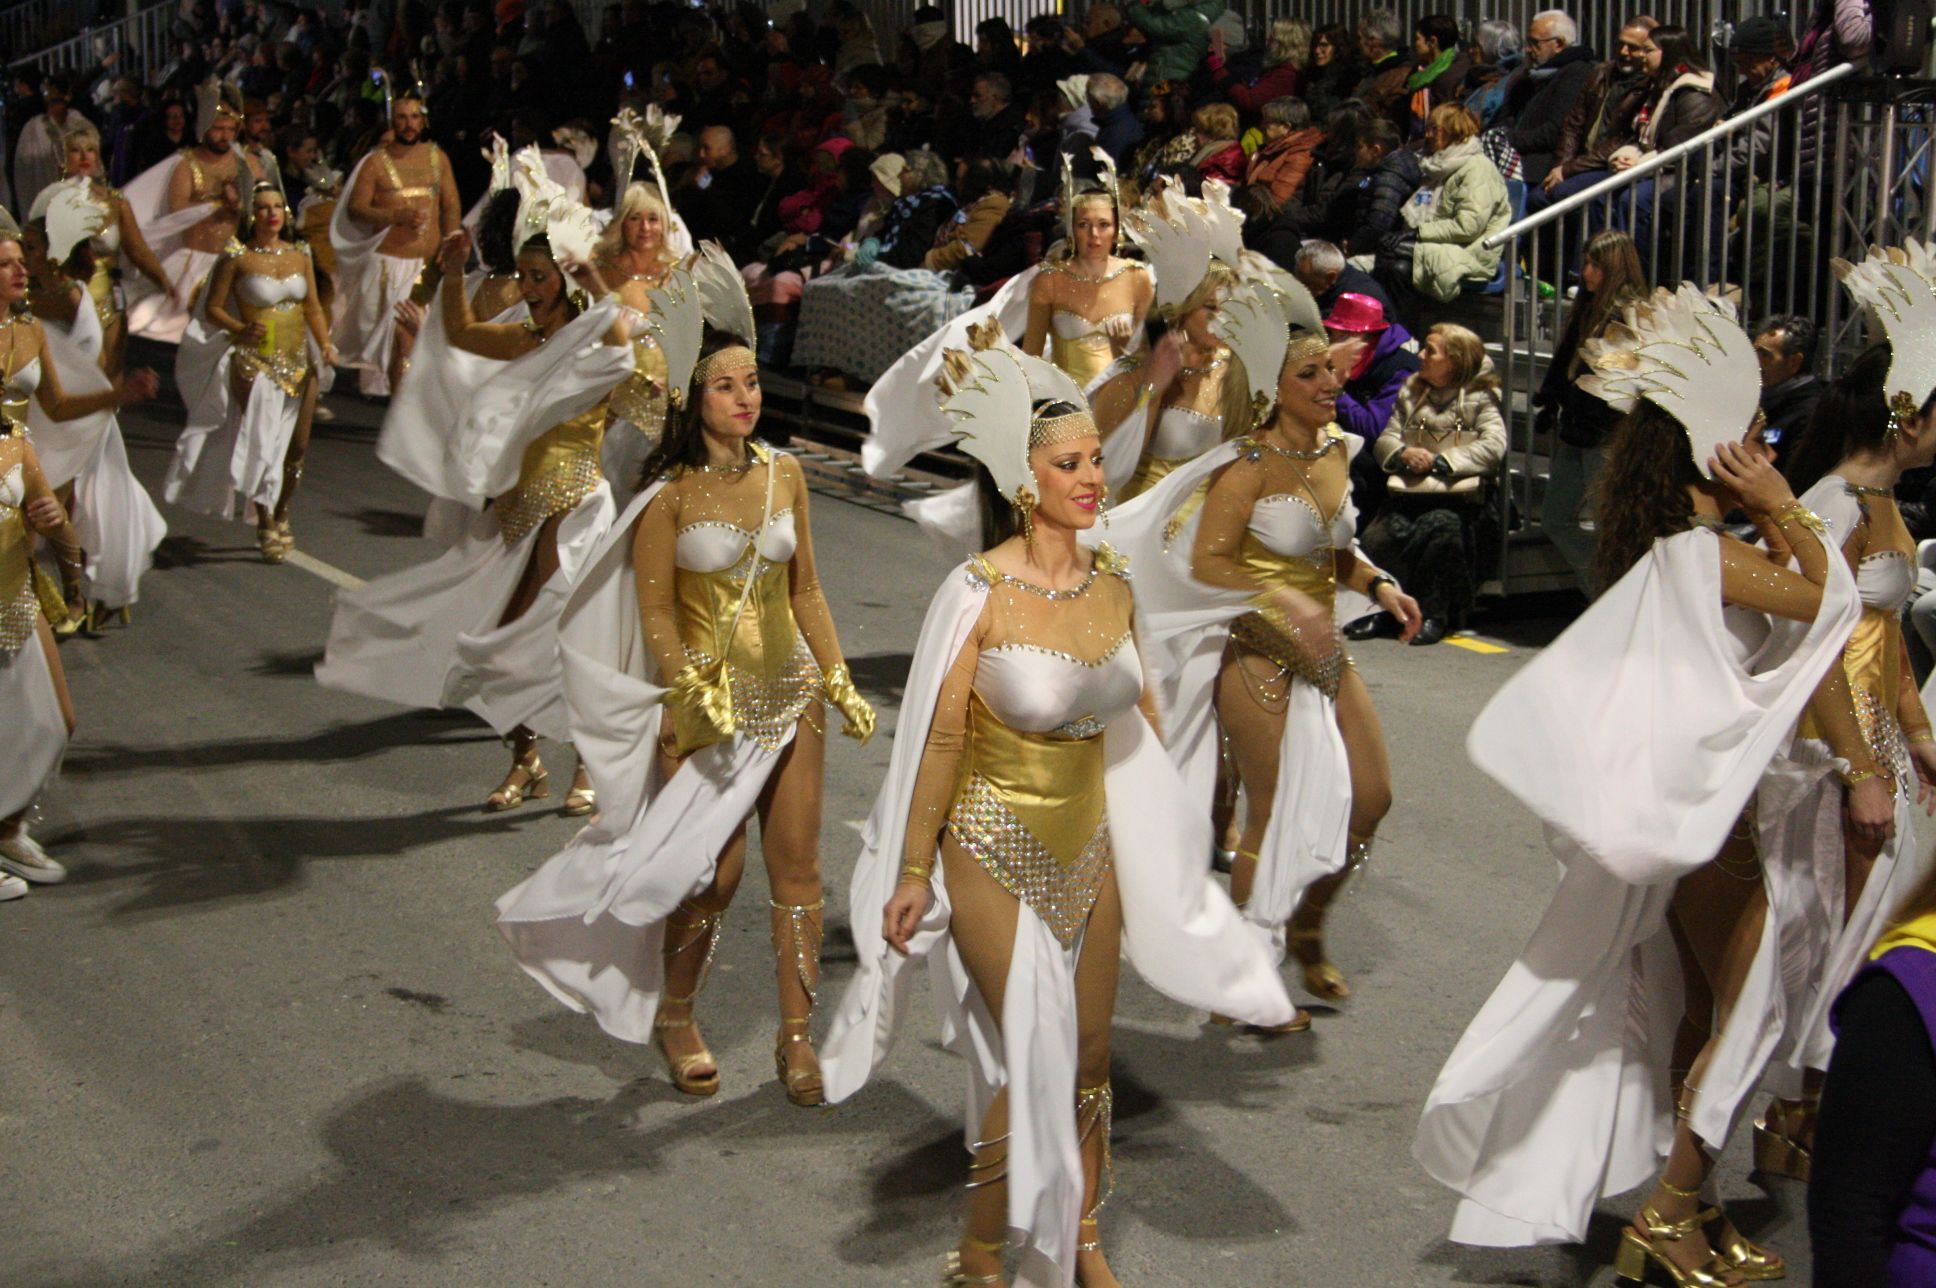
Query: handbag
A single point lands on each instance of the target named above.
(699, 702)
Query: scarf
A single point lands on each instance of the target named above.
(1430, 72)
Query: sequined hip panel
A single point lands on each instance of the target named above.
(1264, 632)
(767, 708)
(1061, 894)
(18, 618)
(558, 490)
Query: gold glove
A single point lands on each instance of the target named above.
(842, 693)
(699, 702)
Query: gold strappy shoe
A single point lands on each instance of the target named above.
(796, 938)
(804, 1087)
(953, 1276)
(1777, 1151)
(681, 1067)
(1322, 978)
(1644, 1244)
(269, 542)
(580, 801)
(526, 781)
(1750, 1260)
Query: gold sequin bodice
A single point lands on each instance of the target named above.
(19, 605)
(763, 643)
(1085, 357)
(641, 397)
(283, 355)
(560, 469)
(100, 287)
(1265, 630)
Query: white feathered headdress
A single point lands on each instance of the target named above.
(1174, 233)
(71, 213)
(679, 324)
(1226, 223)
(1683, 352)
(990, 395)
(499, 155)
(634, 136)
(1898, 285)
(722, 292)
(545, 207)
(1251, 322)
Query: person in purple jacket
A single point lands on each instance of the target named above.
(1376, 357)
(1872, 1183)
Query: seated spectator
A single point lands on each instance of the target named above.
(1386, 69)
(1391, 177)
(1075, 119)
(1045, 60)
(1326, 203)
(1178, 32)
(987, 191)
(1277, 169)
(1374, 357)
(1102, 47)
(1756, 49)
(802, 211)
(996, 123)
(1168, 140)
(1286, 50)
(1442, 67)
(1539, 102)
(928, 53)
(864, 117)
(1680, 104)
(1495, 57)
(715, 193)
(1785, 347)
(1332, 78)
(996, 50)
(1218, 154)
(1443, 445)
(1602, 120)
(1118, 131)
(1327, 275)
(763, 223)
(1461, 203)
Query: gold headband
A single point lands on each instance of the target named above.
(1306, 344)
(1066, 428)
(728, 361)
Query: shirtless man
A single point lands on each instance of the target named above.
(213, 171)
(402, 202)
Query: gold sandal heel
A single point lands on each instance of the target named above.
(1641, 1250)
(527, 780)
(705, 932)
(580, 801)
(681, 1067)
(804, 1087)
(953, 1276)
(1776, 1153)
(1322, 978)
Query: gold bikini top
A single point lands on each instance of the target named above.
(396, 180)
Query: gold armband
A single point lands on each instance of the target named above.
(858, 714)
(1855, 776)
(1919, 735)
(1796, 512)
(914, 873)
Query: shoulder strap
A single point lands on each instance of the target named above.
(766, 516)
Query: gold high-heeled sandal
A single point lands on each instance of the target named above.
(680, 1068)
(1095, 1118)
(527, 780)
(1643, 1243)
(580, 801)
(953, 1276)
(1777, 1150)
(1750, 1260)
(1322, 978)
(797, 935)
(269, 542)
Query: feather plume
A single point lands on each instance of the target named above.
(722, 292)
(1897, 284)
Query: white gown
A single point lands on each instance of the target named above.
(230, 454)
(114, 517)
(1637, 737)
(36, 738)
(590, 924)
(1180, 931)
(151, 312)
(428, 636)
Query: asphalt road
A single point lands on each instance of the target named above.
(266, 1033)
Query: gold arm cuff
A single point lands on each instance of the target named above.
(1796, 512)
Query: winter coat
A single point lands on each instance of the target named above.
(1601, 122)
(1278, 169)
(1226, 162)
(1488, 87)
(1685, 106)
(1383, 90)
(1119, 133)
(1463, 201)
(1273, 82)
(1365, 404)
(1381, 195)
(968, 233)
(1178, 38)
(1326, 207)
(1538, 103)
(1462, 426)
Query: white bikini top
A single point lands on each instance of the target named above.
(13, 486)
(1073, 326)
(1886, 580)
(1037, 690)
(1289, 525)
(714, 545)
(261, 291)
(1183, 434)
(108, 240)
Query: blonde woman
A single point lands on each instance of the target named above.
(1287, 52)
(119, 239)
(633, 258)
(1086, 308)
(1441, 448)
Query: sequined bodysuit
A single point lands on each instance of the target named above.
(19, 605)
(1013, 764)
(560, 469)
(277, 304)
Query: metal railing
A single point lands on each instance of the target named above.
(1746, 209)
(36, 24)
(141, 43)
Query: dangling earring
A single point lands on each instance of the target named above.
(1102, 504)
(1902, 409)
(1025, 516)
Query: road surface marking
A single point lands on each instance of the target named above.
(1471, 645)
(328, 572)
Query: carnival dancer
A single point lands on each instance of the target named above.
(84, 459)
(1243, 554)
(247, 370)
(1086, 307)
(1872, 425)
(1639, 737)
(118, 238)
(503, 418)
(1028, 836)
(699, 658)
(188, 208)
(635, 256)
(400, 204)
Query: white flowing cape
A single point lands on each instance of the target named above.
(590, 924)
(429, 635)
(115, 518)
(1637, 737)
(153, 312)
(1180, 932)
(1183, 629)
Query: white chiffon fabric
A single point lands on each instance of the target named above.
(1184, 625)
(369, 286)
(30, 754)
(152, 312)
(1180, 933)
(429, 636)
(589, 925)
(114, 517)
(1637, 738)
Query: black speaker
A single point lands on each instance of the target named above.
(1902, 35)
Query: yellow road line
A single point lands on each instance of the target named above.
(328, 572)
(1472, 645)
